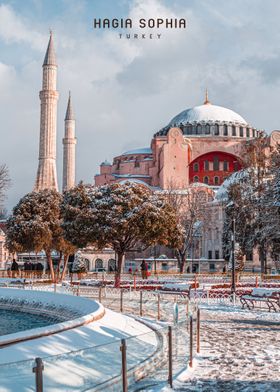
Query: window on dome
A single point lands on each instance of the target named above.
(195, 179)
(216, 180)
(225, 130)
(225, 166)
(137, 163)
(254, 133)
(216, 163)
(233, 130)
(241, 132)
(199, 129)
(206, 180)
(188, 130)
(207, 129)
(216, 129)
(247, 132)
(195, 167)
(206, 165)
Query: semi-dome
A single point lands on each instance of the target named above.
(207, 113)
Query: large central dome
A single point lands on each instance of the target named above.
(207, 113)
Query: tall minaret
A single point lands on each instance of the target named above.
(46, 174)
(69, 143)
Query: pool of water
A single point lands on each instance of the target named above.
(13, 321)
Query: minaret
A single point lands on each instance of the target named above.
(69, 143)
(46, 174)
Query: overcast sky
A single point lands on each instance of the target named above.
(124, 91)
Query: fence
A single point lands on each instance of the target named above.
(141, 360)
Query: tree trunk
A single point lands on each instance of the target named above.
(50, 262)
(120, 259)
(58, 267)
(66, 258)
(182, 263)
(262, 259)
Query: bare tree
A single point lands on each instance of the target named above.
(193, 213)
(4, 182)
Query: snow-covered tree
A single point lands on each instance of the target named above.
(4, 182)
(79, 263)
(125, 216)
(35, 225)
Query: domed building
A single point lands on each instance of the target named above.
(202, 144)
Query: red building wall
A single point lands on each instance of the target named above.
(220, 165)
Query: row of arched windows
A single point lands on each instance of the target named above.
(206, 180)
(216, 165)
(218, 130)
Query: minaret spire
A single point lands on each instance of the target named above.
(46, 173)
(69, 147)
(206, 102)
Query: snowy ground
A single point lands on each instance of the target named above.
(240, 352)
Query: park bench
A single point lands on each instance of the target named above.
(258, 296)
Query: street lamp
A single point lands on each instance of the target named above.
(233, 256)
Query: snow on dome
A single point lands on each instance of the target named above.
(145, 150)
(106, 163)
(207, 113)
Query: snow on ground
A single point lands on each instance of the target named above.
(99, 361)
(240, 352)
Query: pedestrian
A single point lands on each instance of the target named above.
(143, 269)
(14, 268)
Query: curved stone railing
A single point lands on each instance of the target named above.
(68, 311)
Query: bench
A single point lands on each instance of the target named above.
(269, 297)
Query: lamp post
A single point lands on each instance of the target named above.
(233, 256)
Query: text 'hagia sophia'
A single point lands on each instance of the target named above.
(201, 146)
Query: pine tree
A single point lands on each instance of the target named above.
(79, 264)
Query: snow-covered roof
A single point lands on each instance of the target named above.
(222, 193)
(207, 113)
(145, 150)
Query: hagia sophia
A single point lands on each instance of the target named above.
(201, 146)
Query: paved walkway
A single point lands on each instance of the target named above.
(240, 352)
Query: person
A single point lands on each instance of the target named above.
(143, 269)
(14, 268)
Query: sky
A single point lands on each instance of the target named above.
(123, 91)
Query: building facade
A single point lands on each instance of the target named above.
(201, 146)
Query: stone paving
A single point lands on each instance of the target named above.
(240, 352)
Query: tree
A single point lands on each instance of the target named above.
(35, 225)
(126, 217)
(79, 264)
(4, 182)
(193, 212)
(251, 198)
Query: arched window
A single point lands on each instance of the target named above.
(199, 129)
(98, 263)
(206, 165)
(225, 165)
(206, 180)
(188, 130)
(216, 163)
(241, 132)
(207, 129)
(216, 129)
(195, 167)
(137, 163)
(233, 130)
(216, 180)
(111, 265)
(225, 130)
(195, 179)
(247, 132)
